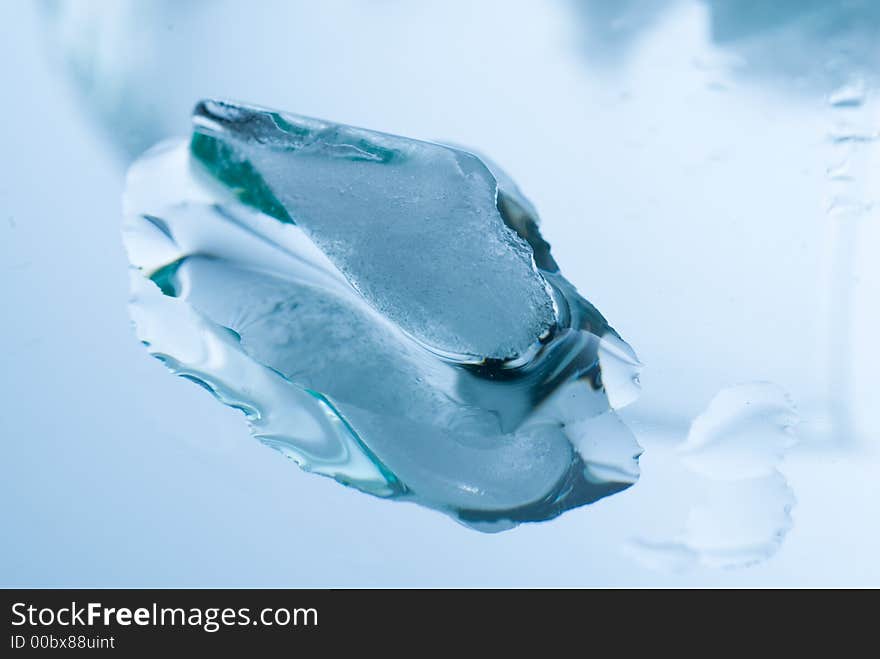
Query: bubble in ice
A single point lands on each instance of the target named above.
(383, 310)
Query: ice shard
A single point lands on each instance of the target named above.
(384, 311)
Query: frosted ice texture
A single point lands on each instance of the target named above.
(411, 224)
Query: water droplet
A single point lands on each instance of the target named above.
(845, 206)
(839, 172)
(849, 95)
(847, 133)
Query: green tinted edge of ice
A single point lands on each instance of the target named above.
(232, 168)
(396, 487)
(165, 279)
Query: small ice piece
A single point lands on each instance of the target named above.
(742, 507)
(384, 311)
(744, 433)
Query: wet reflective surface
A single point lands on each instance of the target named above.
(706, 173)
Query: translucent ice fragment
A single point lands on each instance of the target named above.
(743, 506)
(384, 311)
(412, 225)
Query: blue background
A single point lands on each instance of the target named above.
(681, 176)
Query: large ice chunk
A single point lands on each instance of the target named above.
(414, 226)
(308, 274)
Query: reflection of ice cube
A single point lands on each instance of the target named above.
(740, 523)
(741, 504)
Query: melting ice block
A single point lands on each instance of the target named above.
(410, 224)
(383, 310)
